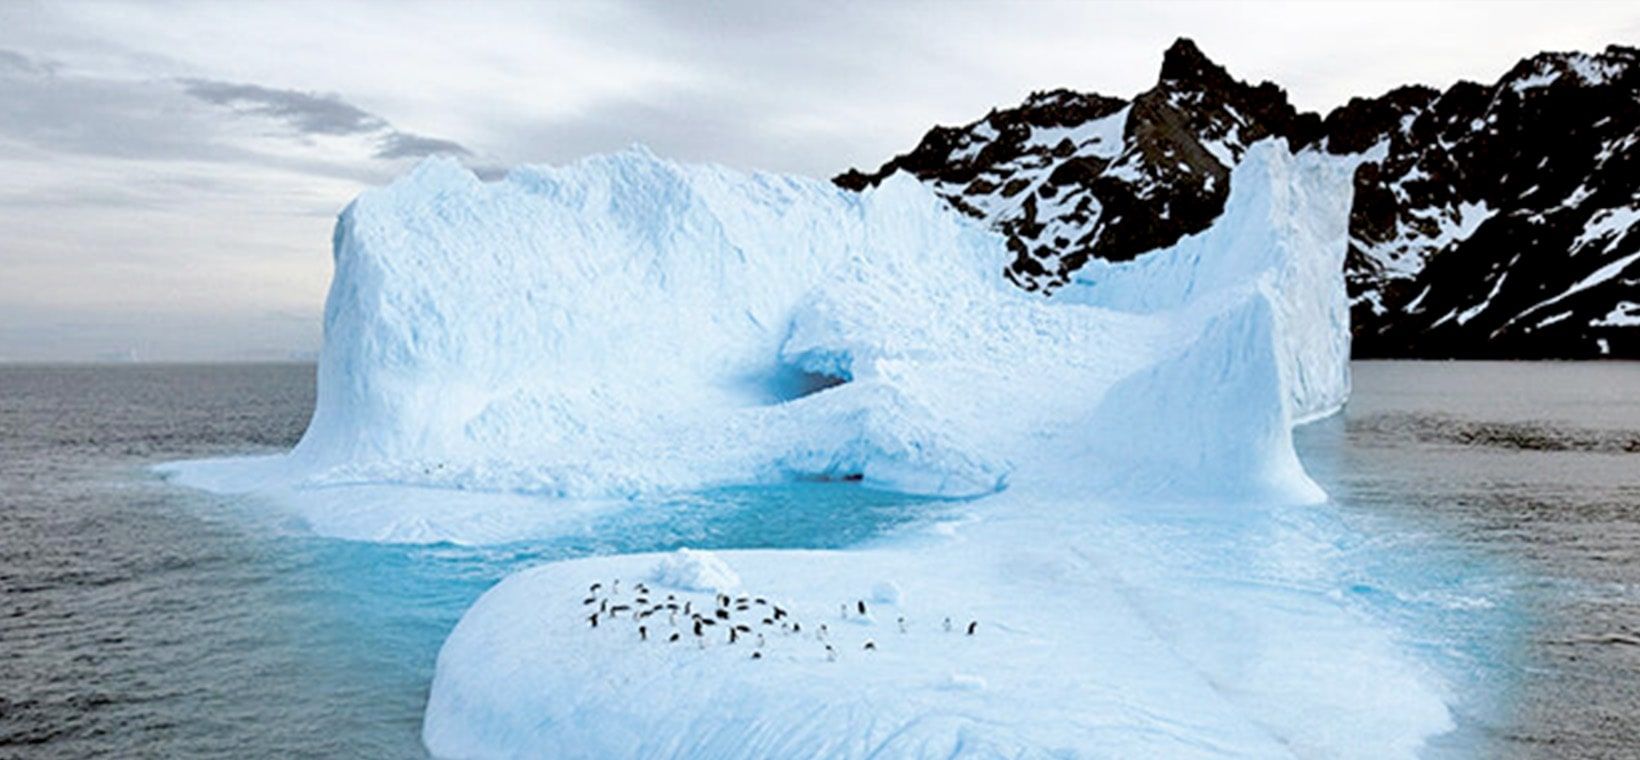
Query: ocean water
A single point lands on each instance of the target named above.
(1496, 506)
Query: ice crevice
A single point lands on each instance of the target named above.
(1139, 547)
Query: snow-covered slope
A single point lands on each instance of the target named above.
(1489, 220)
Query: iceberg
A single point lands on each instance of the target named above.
(1134, 565)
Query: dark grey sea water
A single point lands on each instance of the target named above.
(1527, 478)
(139, 619)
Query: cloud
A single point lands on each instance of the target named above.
(13, 60)
(320, 114)
(405, 145)
(307, 112)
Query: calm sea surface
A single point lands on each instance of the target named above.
(138, 619)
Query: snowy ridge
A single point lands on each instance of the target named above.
(1529, 175)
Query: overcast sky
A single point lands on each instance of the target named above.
(170, 171)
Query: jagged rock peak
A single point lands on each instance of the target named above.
(1185, 63)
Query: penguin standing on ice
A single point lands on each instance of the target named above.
(947, 625)
(643, 633)
(593, 619)
(861, 606)
(902, 624)
(973, 625)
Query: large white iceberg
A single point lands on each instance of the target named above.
(1141, 574)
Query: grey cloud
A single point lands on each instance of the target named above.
(406, 145)
(307, 112)
(15, 61)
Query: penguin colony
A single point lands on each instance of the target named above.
(750, 622)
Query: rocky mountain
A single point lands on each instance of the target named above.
(1489, 221)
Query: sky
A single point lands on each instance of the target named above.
(170, 171)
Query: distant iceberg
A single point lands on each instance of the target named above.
(1137, 579)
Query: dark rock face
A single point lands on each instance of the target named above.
(1501, 221)
(1497, 221)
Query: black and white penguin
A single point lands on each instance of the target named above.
(593, 619)
(973, 625)
(947, 625)
(831, 654)
(871, 646)
(674, 637)
(902, 624)
(643, 633)
(861, 606)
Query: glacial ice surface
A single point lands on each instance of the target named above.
(1144, 564)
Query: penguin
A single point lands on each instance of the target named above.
(757, 655)
(595, 588)
(615, 588)
(842, 611)
(722, 614)
(760, 641)
(672, 617)
(734, 635)
(797, 627)
(697, 627)
(831, 654)
(902, 624)
(742, 600)
(615, 610)
(947, 625)
(743, 628)
(643, 600)
(768, 621)
(871, 646)
(686, 606)
(821, 634)
(742, 607)
(603, 605)
(761, 601)
(593, 619)
(861, 605)
(779, 613)
(643, 633)
(642, 589)
(589, 600)
(973, 625)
